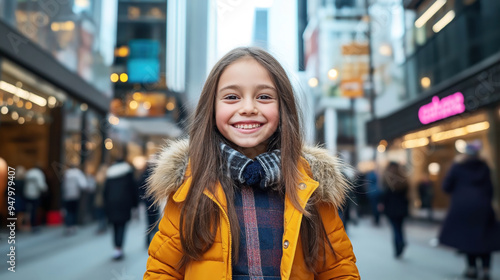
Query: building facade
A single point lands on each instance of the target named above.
(52, 94)
(452, 95)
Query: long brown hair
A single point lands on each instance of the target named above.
(200, 216)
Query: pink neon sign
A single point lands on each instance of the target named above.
(440, 109)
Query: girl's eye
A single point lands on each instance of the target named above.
(265, 96)
(230, 97)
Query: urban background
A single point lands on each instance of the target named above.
(85, 81)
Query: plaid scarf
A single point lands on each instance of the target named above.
(264, 170)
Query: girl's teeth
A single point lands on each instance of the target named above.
(247, 126)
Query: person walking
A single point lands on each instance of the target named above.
(426, 193)
(34, 186)
(351, 205)
(74, 182)
(87, 210)
(395, 203)
(373, 193)
(245, 198)
(120, 196)
(20, 201)
(470, 225)
(152, 211)
(100, 179)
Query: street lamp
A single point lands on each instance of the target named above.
(333, 74)
(313, 82)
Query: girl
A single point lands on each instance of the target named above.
(246, 200)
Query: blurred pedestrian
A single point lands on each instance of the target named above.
(34, 186)
(345, 212)
(120, 196)
(373, 192)
(20, 201)
(152, 211)
(74, 182)
(86, 209)
(470, 225)
(359, 199)
(426, 193)
(100, 179)
(395, 203)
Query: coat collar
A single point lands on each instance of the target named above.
(320, 172)
(306, 187)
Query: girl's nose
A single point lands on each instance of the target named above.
(248, 107)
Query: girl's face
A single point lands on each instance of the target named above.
(246, 106)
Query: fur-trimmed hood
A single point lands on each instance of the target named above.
(170, 165)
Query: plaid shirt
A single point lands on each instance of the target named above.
(260, 214)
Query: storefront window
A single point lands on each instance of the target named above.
(72, 133)
(28, 106)
(445, 145)
(93, 137)
(458, 36)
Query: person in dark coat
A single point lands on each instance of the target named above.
(373, 193)
(470, 225)
(426, 193)
(345, 211)
(100, 179)
(395, 203)
(20, 204)
(120, 196)
(152, 212)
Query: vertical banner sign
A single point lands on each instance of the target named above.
(354, 68)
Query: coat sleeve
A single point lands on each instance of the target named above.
(82, 180)
(165, 251)
(341, 264)
(489, 184)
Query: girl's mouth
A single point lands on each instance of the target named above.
(247, 126)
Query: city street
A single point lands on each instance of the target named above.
(100, 98)
(50, 255)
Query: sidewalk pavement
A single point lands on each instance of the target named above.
(85, 255)
(51, 255)
(423, 258)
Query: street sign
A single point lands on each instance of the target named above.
(352, 88)
(356, 49)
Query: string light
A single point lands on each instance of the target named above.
(21, 93)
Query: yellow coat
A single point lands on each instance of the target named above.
(165, 250)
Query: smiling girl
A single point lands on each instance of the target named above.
(245, 198)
